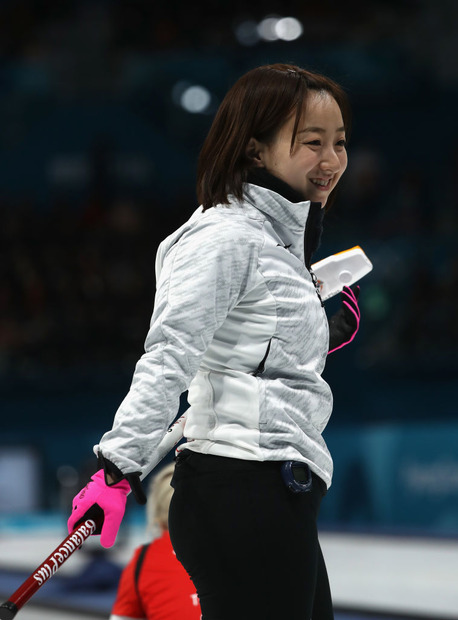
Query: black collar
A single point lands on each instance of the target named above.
(314, 226)
(263, 178)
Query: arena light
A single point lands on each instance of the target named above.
(246, 32)
(267, 28)
(288, 28)
(196, 99)
(271, 28)
(193, 98)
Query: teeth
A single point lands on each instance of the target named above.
(318, 182)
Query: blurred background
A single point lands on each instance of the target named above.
(104, 107)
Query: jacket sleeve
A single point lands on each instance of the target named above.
(203, 276)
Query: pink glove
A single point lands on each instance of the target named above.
(110, 500)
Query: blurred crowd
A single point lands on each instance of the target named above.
(77, 271)
(30, 26)
(70, 42)
(408, 228)
(77, 283)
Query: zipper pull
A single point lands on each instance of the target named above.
(317, 286)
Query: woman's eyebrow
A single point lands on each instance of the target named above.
(318, 130)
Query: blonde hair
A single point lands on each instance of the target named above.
(159, 496)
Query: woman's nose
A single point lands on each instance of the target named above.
(330, 161)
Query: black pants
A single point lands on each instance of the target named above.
(249, 544)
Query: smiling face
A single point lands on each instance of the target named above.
(318, 158)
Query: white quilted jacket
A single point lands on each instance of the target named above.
(237, 322)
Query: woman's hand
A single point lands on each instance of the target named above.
(344, 324)
(103, 502)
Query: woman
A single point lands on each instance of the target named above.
(238, 322)
(154, 585)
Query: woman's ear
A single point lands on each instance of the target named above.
(254, 152)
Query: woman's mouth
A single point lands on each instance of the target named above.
(321, 184)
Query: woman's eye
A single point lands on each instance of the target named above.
(342, 143)
(314, 143)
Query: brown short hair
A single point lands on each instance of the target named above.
(256, 106)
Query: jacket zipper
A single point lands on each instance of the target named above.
(260, 368)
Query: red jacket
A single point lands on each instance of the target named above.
(164, 590)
